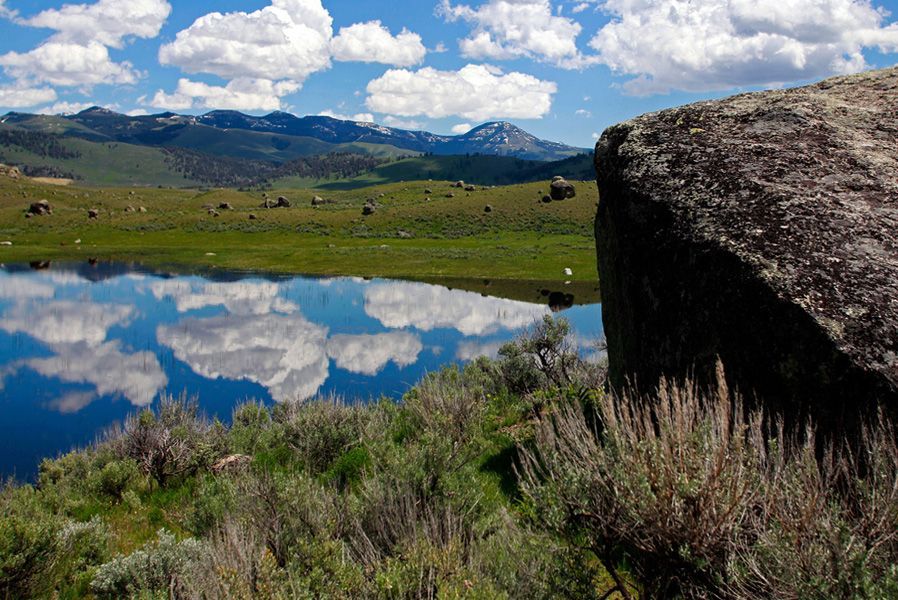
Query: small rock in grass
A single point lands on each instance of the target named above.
(93, 213)
(6, 243)
(488, 208)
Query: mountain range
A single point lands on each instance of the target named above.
(232, 149)
(99, 124)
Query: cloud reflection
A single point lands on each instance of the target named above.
(427, 307)
(239, 298)
(369, 354)
(285, 354)
(65, 322)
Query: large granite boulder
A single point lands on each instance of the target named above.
(762, 229)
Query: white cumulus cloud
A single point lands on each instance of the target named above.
(476, 92)
(108, 22)
(719, 44)
(18, 96)
(358, 117)
(461, 128)
(289, 39)
(65, 108)
(509, 29)
(372, 42)
(68, 64)
(77, 55)
(238, 94)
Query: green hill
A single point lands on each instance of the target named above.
(477, 169)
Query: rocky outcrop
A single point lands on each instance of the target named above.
(560, 189)
(762, 229)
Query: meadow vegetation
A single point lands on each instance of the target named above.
(517, 477)
(417, 231)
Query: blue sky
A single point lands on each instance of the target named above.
(562, 69)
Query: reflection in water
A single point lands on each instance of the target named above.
(76, 333)
(137, 377)
(81, 347)
(239, 298)
(285, 354)
(469, 350)
(369, 354)
(65, 322)
(428, 307)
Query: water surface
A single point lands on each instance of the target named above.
(81, 346)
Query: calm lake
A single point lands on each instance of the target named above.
(81, 346)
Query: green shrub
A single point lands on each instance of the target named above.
(156, 570)
(171, 442)
(29, 544)
(115, 478)
(214, 498)
(321, 431)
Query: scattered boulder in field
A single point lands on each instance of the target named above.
(404, 235)
(11, 172)
(450, 195)
(208, 207)
(547, 199)
(428, 192)
(232, 463)
(252, 217)
(6, 243)
(470, 188)
(562, 189)
(318, 201)
(283, 202)
(269, 203)
(40, 208)
(427, 199)
(225, 206)
(141, 209)
(214, 213)
(93, 213)
(760, 229)
(488, 208)
(459, 184)
(369, 209)
(130, 209)
(557, 178)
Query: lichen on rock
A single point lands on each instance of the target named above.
(761, 229)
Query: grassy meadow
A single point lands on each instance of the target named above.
(409, 236)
